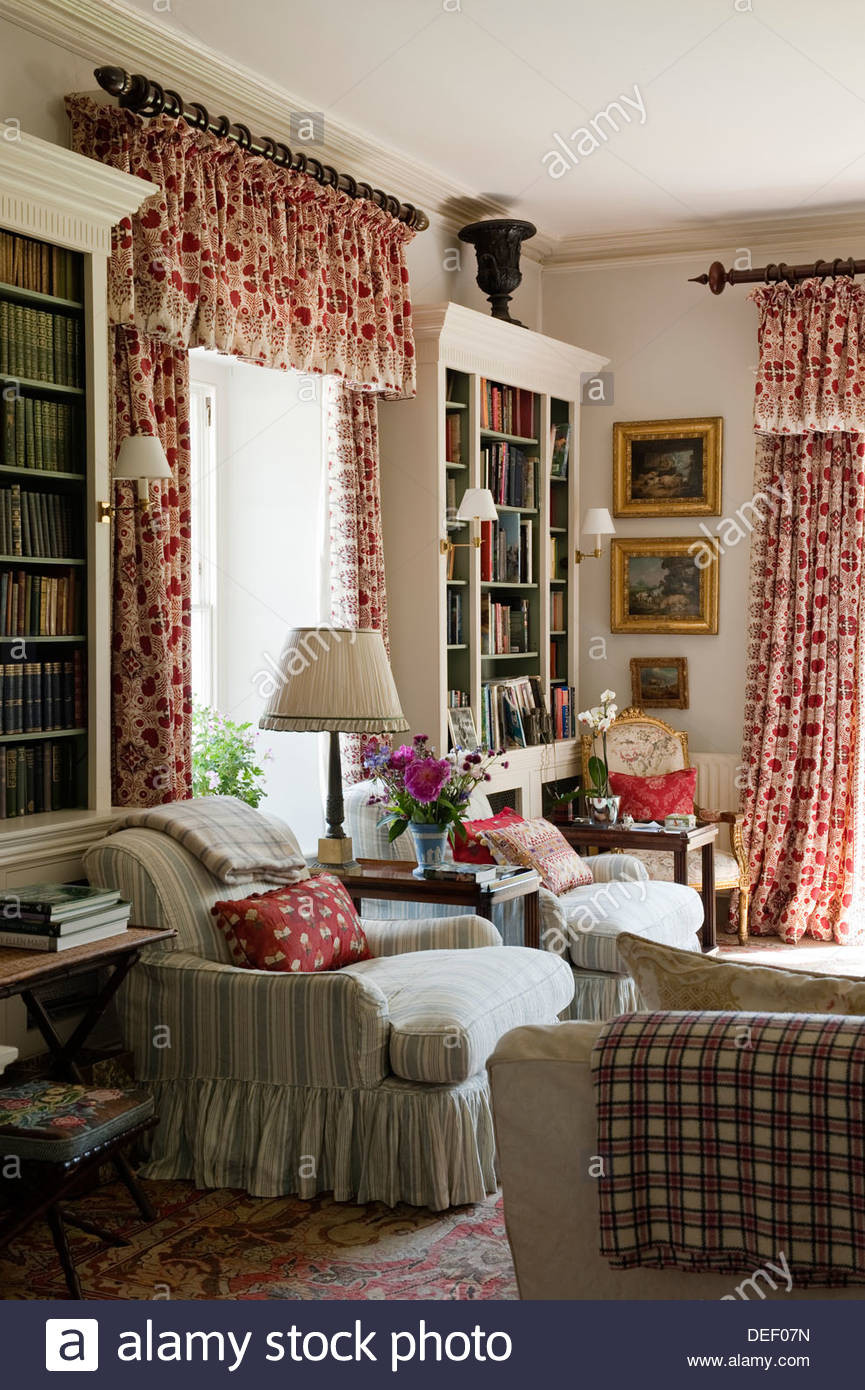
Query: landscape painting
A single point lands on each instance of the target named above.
(666, 585)
(659, 682)
(667, 467)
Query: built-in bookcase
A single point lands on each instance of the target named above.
(474, 626)
(43, 538)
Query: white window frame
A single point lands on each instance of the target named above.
(205, 535)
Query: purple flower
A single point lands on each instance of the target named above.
(400, 759)
(425, 778)
(421, 738)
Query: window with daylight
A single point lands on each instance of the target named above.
(259, 556)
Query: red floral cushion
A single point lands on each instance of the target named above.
(306, 926)
(653, 798)
(471, 850)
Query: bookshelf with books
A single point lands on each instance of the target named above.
(57, 212)
(492, 626)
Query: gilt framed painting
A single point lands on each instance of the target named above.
(659, 682)
(668, 467)
(666, 585)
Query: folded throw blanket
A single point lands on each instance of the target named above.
(730, 1137)
(234, 841)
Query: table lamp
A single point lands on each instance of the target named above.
(334, 680)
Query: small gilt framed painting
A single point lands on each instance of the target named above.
(668, 467)
(659, 682)
(666, 585)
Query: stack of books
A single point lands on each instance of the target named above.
(58, 916)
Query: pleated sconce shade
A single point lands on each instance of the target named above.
(336, 680)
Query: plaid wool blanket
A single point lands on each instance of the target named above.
(234, 841)
(727, 1138)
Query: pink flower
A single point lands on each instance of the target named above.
(400, 759)
(425, 778)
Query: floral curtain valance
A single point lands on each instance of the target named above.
(811, 369)
(239, 255)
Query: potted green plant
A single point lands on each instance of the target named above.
(602, 805)
(225, 759)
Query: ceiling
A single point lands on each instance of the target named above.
(735, 112)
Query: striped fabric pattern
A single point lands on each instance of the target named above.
(599, 996)
(234, 842)
(455, 933)
(446, 1017)
(584, 924)
(769, 1107)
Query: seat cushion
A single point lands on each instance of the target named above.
(448, 1009)
(55, 1121)
(665, 912)
(660, 866)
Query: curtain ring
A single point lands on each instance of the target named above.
(380, 197)
(852, 264)
(299, 162)
(785, 273)
(318, 171)
(268, 145)
(244, 135)
(330, 177)
(174, 102)
(367, 191)
(351, 185)
(835, 265)
(222, 126)
(156, 98)
(283, 155)
(200, 115)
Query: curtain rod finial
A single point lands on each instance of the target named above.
(112, 80)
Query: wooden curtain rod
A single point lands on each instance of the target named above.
(146, 98)
(717, 277)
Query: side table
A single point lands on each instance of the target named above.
(393, 879)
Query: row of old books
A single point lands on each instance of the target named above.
(41, 434)
(453, 438)
(40, 697)
(40, 605)
(514, 713)
(34, 265)
(457, 699)
(510, 474)
(454, 618)
(40, 525)
(557, 610)
(504, 626)
(39, 345)
(564, 711)
(37, 777)
(507, 550)
(508, 409)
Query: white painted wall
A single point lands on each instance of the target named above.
(676, 350)
(272, 558)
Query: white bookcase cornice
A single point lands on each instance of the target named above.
(50, 192)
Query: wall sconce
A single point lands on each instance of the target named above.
(598, 523)
(477, 505)
(141, 458)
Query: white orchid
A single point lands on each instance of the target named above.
(607, 695)
(599, 720)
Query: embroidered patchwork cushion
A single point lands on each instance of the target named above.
(671, 979)
(586, 924)
(660, 866)
(447, 1010)
(539, 845)
(55, 1121)
(309, 926)
(472, 849)
(653, 798)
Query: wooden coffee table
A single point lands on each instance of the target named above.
(679, 843)
(393, 879)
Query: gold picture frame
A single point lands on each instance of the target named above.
(668, 467)
(649, 595)
(659, 682)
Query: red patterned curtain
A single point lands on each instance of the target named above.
(235, 254)
(357, 585)
(805, 654)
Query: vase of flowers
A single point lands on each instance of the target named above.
(424, 794)
(602, 805)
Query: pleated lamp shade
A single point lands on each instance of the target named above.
(337, 680)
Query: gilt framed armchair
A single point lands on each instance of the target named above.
(645, 746)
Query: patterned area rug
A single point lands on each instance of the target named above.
(224, 1244)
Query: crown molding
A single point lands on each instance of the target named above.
(779, 235)
(105, 31)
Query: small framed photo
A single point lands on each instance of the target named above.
(461, 723)
(560, 448)
(659, 682)
(668, 467)
(666, 585)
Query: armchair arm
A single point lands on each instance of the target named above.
(190, 1018)
(393, 938)
(606, 868)
(718, 817)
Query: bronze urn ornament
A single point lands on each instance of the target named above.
(497, 243)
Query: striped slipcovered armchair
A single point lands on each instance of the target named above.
(367, 1082)
(581, 926)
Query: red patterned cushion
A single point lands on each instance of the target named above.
(538, 845)
(653, 798)
(306, 926)
(471, 850)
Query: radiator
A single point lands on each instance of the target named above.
(717, 789)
